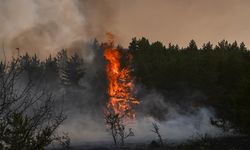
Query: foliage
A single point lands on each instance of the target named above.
(66, 69)
(70, 69)
(31, 65)
(28, 119)
(222, 73)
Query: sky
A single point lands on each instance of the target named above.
(44, 27)
(179, 21)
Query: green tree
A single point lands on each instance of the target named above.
(192, 45)
(221, 73)
(207, 46)
(75, 69)
(133, 45)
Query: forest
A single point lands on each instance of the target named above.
(221, 72)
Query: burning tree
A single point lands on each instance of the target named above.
(120, 82)
(120, 107)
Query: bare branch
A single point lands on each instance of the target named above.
(157, 132)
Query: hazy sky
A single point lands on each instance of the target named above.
(179, 21)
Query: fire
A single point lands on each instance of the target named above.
(120, 82)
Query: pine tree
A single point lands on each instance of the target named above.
(32, 66)
(133, 45)
(207, 46)
(192, 45)
(51, 70)
(70, 70)
(243, 46)
(75, 70)
(62, 65)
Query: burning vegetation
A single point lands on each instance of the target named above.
(120, 107)
(120, 83)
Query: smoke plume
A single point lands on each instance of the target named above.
(44, 27)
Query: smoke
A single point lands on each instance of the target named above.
(178, 127)
(44, 27)
(175, 121)
(85, 124)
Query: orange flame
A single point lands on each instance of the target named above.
(120, 82)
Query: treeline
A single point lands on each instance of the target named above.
(30, 109)
(221, 72)
(67, 70)
(29, 116)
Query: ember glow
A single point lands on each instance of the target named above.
(120, 83)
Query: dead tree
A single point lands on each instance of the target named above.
(157, 132)
(123, 134)
(111, 121)
(28, 119)
(116, 125)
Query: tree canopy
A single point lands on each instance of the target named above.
(221, 72)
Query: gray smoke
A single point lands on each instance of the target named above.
(86, 124)
(46, 26)
(175, 123)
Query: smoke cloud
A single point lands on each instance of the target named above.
(175, 121)
(86, 124)
(44, 27)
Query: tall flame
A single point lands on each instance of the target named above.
(120, 82)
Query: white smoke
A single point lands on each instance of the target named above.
(174, 124)
(176, 127)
